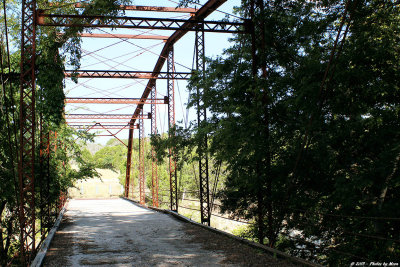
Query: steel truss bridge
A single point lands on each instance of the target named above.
(34, 19)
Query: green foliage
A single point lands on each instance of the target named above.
(246, 231)
(113, 157)
(50, 77)
(67, 162)
(184, 143)
(186, 3)
(110, 157)
(347, 167)
(315, 165)
(181, 142)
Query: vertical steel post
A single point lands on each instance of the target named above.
(141, 160)
(154, 174)
(171, 131)
(128, 161)
(202, 146)
(26, 170)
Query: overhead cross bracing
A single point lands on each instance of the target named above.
(120, 36)
(127, 74)
(150, 8)
(123, 36)
(171, 74)
(194, 23)
(69, 117)
(95, 100)
(99, 126)
(152, 40)
(185, 27)
(136, 23)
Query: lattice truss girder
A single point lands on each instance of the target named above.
(93, 100)
(126, 74)
(202, 146)
(128, 163)
(27, 215)
(137, 23)
(100, 126)
(141, 162)
(154, 171)
(104, 116)
(148, 8)
(26, 171)
(171, 132)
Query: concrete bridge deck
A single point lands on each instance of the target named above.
(116, 232)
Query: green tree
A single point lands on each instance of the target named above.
(53, 53)
(304, 150)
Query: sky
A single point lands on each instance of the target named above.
(140, 55)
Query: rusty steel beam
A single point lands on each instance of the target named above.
(171, 132)
(148, 8)
(205, 211)
(93, 122)
(102, 127)
(154, 170)
(138, 23)
(123, 36)
(98, 124)
(103, 116)
(201, 14)
(93, 100)
(27, 117)
(128, 163)
(142, 178)
(126, 74)
(116, 137)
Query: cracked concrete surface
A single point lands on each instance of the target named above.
(116, 232)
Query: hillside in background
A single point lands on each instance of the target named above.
(106, 186)
(93, 147)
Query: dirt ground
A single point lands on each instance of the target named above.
(116, 232)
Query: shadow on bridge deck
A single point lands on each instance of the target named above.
(116, 232)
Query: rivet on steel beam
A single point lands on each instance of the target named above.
(39, 18)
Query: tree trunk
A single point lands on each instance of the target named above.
(260, 213)
(382, 195)
(3, 253)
